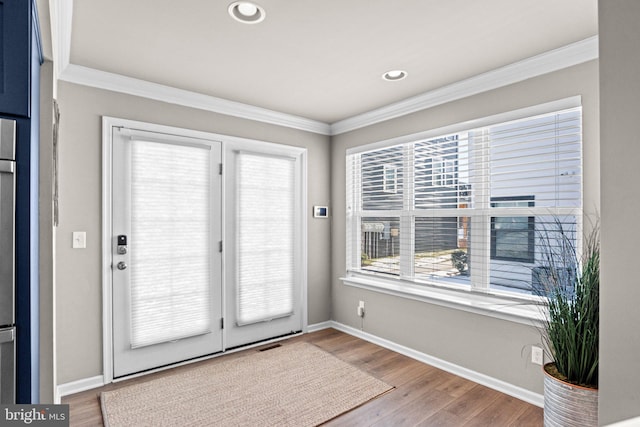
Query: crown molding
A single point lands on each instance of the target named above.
(61, 15)
(118, 83)
(61, 23)
(554, 60)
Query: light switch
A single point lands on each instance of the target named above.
(79, 239)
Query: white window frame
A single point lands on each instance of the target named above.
(479, 299)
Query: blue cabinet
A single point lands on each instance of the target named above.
(20, 59)
(15, 52)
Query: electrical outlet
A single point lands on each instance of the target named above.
(536, 355)
(361, 309)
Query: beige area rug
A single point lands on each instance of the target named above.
(296, 384)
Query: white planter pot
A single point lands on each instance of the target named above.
(568, 405)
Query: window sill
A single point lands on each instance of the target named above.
(523, 311)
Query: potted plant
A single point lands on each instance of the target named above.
(571, 331)
(459, 260)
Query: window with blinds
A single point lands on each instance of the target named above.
(472, 208)
(170, 242)
(266, 232)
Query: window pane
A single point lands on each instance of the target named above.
(512, 238)
(555, 240)
(441, 177)
(382, 179)
(266, 237)
(441, 249)
(380, 244)
(540, 156)
(170, 242)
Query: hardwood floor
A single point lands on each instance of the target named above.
(423, 395)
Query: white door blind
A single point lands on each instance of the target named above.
(473, 208)
(265, 227)
(170, 242)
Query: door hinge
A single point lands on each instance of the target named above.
(222, 323)
(220, 169)
(220, 246)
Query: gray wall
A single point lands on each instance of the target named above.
(486, 345)
(620, 175)
(78, 271)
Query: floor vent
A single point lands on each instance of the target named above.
(271, 347)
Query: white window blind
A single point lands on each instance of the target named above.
(170, 242)
(265, 226)
(473, 208)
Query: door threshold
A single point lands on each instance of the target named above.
(208, 356)
(263, 342)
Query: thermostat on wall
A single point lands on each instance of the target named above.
(320, 212)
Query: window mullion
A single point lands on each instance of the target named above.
(480, 229)
(407, 229)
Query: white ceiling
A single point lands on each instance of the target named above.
(320, 59)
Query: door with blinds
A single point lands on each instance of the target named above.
(166, 260)
(264, 242)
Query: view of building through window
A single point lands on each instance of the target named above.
(470, 209)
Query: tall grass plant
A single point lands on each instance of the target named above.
(572, 286)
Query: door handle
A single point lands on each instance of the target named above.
(122, 265)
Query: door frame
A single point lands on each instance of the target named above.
(227, 141)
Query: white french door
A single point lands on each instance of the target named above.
(264, 242)
(199, 259)
(166, 262)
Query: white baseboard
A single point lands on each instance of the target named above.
(77, 386)
(320, 326)
(631, 422)
(494, 383)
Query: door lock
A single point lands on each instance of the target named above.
(122, 245)
(122, 265)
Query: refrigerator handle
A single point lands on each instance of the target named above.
(7, 335)
(7, 166)
(7, 243)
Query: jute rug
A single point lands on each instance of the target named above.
(296, 384)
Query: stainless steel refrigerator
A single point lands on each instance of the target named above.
(7, 260)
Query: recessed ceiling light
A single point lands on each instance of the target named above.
(246, 12)
(395, 75)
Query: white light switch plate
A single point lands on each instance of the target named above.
(79, 239)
